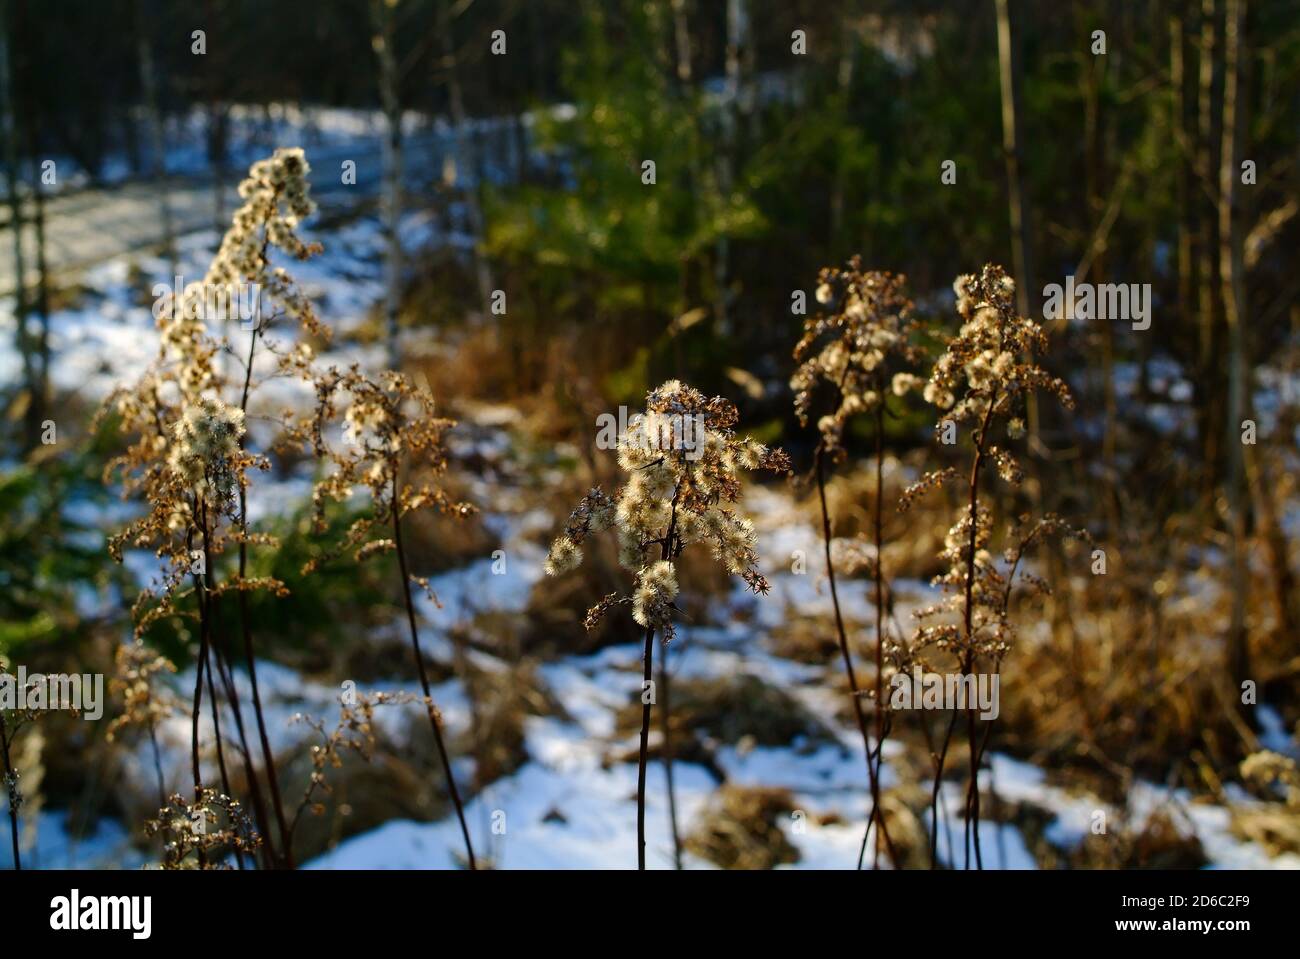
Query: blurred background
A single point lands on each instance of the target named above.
(490, 224)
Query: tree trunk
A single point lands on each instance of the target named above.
(41, 394)
(9, 127)
(1181, 121)
(737, 45)
(1207, 161)
(384, 41)
(1234, 306)
(1094, 67)
(849, 42)
(218, 130)
(682, 43)
(40, 401)
(1009, 71)
(158, 159)
(456, 103)
(692, 175)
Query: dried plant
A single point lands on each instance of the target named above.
(1268, 768)
(394, 448)
(145, 702)
(10, 726)
(983, 379)
(189, 462)
(354, 732)
(191, 466)
(854, 352)
(211, 825)
(684, 465)
(855, 349)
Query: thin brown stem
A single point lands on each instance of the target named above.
(198, 685)
(969, 660)
(11, 784)
(194, 723)
(669, 549)
(934, 795)
(202, 587)
(250, 661)
(214, 708)
(972, 790)
(880, 614)
(666, 722)
(250, 770)
(973, 795)
(424, 676)
(966, 661)
(854, 691)
(929, 746)
(646, 702)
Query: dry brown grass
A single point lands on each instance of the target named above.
(741, 829)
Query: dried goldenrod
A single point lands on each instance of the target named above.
(198, 834)
(684, 465)
(393, 447)
(188, 459)
(854, 352)
(392, 436)
(1268, 768)
(855, 348)
(982, 379)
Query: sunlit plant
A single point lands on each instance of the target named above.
(146, 702)
(982, 380)
(684, 466)
(190, 464)
(393, 447)
(859, 352)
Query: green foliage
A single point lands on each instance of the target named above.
(328, 605)
(49, 557)
(600, 220)
(323, 609)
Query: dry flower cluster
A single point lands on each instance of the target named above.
(1268, 768)
(985, 375)
(854, 352)
(199, 834)
(677, 493)
(682, 487)
(191, 464)
(855, 349)
(146, 702)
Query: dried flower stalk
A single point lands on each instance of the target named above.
(684, 465)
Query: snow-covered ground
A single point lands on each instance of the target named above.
(571, 806)
(572, 803)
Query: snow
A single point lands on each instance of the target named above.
(572, 803)
(106, 845)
